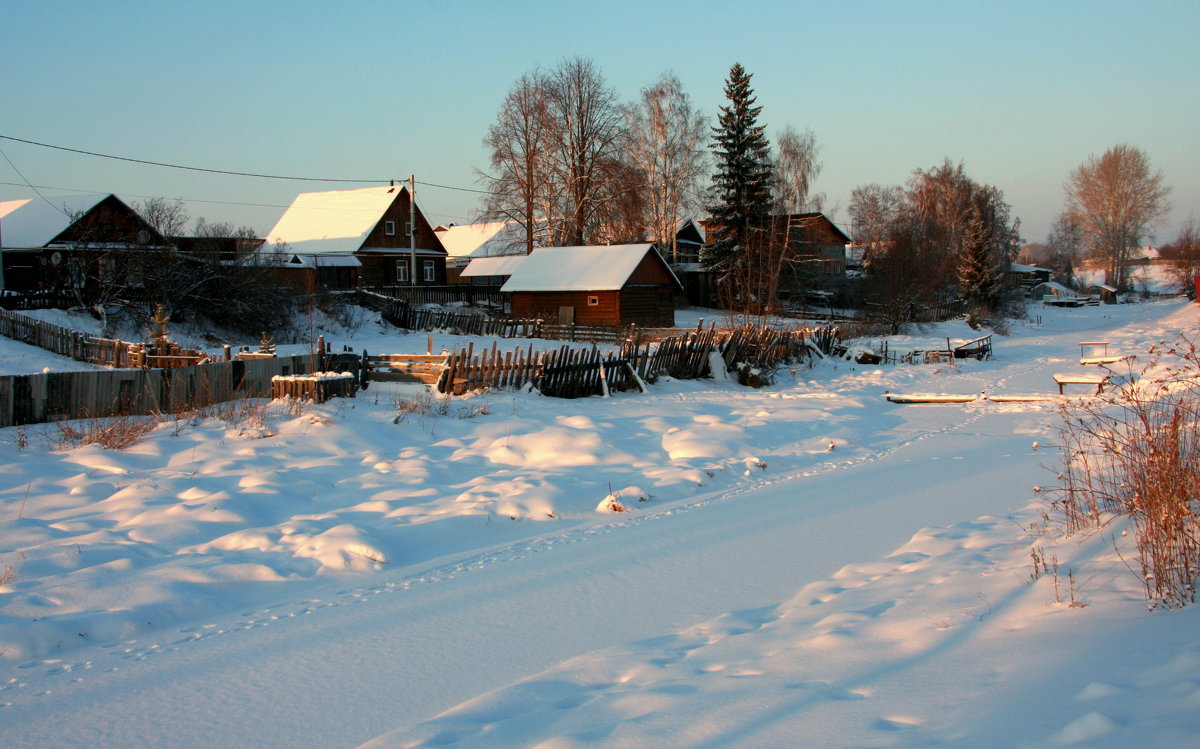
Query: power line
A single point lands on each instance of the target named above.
(225, 171)
(35, 188)
(28, 184)
(188, 168)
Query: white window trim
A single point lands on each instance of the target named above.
(389, 228)
(402, 271)
(430, 271)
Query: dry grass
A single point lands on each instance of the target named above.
(1135, 454)
(112, 433)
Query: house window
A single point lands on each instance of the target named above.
(593, 301)
(389, 228)
(430, 271)
(402, 271)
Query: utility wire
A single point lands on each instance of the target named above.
(222, 171)
(35, 188)
(30, 185)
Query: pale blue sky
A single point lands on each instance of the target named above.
(1020, 92)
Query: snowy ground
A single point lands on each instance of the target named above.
(803, 565)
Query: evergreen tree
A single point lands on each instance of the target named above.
(741, 206)
(976, 280)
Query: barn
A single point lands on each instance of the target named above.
(612, 285)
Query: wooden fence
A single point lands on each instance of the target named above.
(51, 396)
(448, 294)
(35, 300)
(573, 372)
(82, 347)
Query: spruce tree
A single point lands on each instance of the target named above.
(741, 193)
(976, 276)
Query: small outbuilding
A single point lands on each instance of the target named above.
(612, 285)
(1051, 291)
(1106, 293)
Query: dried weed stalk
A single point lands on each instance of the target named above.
(1135, 453)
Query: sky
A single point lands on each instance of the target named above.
(1020, 93)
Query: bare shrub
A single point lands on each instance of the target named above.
(422, 404)
(112, 433)
(1135, 453)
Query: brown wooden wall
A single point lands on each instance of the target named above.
(545, 305)
(650, 271)
(398, 211)
(650, 306)
(111, 222)
(379, 269)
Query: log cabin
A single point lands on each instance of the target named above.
(613, 285)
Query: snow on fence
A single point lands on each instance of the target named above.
(53, 396)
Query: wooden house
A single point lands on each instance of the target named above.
(818, 245)
(72, 243)
(1025, 276)
(597, 285)
(344, 239)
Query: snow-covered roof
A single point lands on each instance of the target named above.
(36, 222)
(1054, 287)
(339, 260)
(592, 268)
(1019, 268)
(333, 221)
(483, 240)
(504, 265)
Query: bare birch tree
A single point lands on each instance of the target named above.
(1184, 256)
(519, 189)
(873, 209)
(555, 150)
(668, 145)
(1116, 199)
(586, 136)
(796, 169)
(169, 217)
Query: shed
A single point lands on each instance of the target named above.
(1107, 294)
(491, 270)
(466, 242)
(1052, 290)
(612, 285)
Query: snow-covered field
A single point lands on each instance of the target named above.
(804, 565)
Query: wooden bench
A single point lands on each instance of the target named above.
(1087, 349)
(1103, 360)
(1099, 380)
(980, 348)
